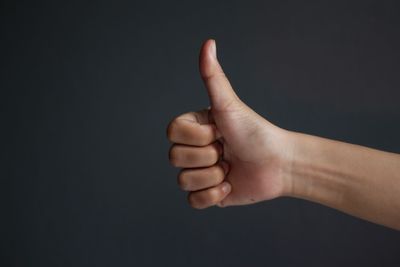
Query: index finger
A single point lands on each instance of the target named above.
(193, 128)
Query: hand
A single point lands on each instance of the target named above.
(230, 155)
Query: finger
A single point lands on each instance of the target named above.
(202, 178)
(193, 157)
(209, 197)
(219, 89)
(188, 130)
(201, 116)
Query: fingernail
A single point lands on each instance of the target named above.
(214, 49)
(226, 187)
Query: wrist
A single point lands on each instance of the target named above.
(312, 170)
(287, 159)
(301, 165)
(296, 162)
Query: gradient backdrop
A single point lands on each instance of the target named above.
(88, 87)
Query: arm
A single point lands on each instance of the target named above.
(357, 180)
(230, 156)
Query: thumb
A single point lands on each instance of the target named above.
(219, 89)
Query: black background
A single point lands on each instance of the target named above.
(87, 89)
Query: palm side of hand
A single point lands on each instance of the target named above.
(255, 151)
(229, 154)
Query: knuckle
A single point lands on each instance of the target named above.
(173, 156)
(172, 129)
(195, 202)
(183, 181)
(213, 195)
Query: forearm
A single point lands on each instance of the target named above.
(357, 180)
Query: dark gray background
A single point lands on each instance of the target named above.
(87, 89)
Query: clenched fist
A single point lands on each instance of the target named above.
(229, 154)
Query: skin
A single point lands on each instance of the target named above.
(229, 155)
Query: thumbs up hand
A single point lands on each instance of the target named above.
(229, 154)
